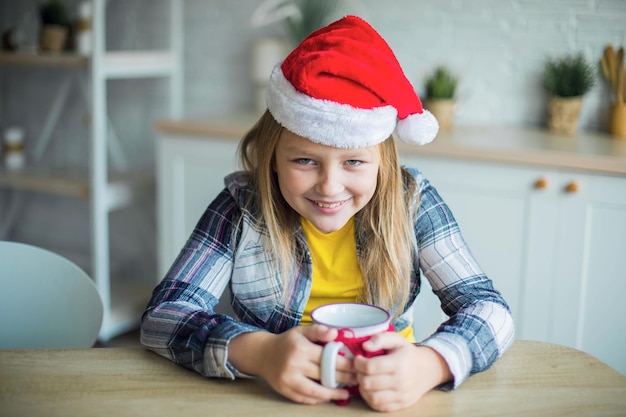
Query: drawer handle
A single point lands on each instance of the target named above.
(541, 183)
(572, 187)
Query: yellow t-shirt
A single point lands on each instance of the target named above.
(336, 271)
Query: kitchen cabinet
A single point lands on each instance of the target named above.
(104, 191)
(548, 226)
(552, 240)
(190, 174)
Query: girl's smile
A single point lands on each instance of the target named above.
(329, 205)
(325, 185)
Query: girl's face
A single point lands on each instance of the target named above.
(325, 185)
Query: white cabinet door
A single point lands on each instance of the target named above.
(590, 281)
(556, 238)
(191, 174)
(490, 205)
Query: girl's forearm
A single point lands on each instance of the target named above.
(246, 352)
(439, 371)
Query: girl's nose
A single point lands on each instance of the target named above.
(330, 182)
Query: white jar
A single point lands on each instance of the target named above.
(13, 148)
(83, 29)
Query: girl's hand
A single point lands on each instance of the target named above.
(290, 362)
(401, 377)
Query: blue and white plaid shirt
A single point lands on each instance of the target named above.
(225, 249)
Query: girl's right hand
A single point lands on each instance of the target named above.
(290, 362)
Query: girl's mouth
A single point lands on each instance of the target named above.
(328, 205)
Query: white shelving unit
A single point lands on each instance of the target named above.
(104, 191)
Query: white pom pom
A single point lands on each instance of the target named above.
(418, 129)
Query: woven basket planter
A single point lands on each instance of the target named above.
(563, 114)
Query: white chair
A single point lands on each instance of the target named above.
(46, 301)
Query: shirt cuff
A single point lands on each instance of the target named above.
(454, 350)
(216, 353)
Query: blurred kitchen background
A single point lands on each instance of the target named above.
(497, 48)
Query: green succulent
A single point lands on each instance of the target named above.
(441, 84)
(569, 76)
(54, 12)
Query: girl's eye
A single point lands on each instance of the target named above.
(304, 161)
(353, 162)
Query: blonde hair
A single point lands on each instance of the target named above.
(384, 227)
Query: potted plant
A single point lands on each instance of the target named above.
(440, 96)
(313, 15)
(54, 25)
(567, 79)
(299, 18)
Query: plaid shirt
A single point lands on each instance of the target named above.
(225, 249)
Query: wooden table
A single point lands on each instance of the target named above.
(531, 379)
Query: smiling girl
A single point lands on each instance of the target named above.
(324, 212)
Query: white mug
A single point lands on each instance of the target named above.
(356, 322)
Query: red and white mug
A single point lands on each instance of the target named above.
(356, 323)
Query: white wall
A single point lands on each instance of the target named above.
(498, 47)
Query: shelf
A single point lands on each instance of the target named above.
(61, 60)
(126, 64)
(97, 186)
(122, 189)
(129, 64)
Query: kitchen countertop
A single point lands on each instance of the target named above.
(587, 151)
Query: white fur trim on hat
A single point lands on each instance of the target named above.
(324, 121)
(418, 128)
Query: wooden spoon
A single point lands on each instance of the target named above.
(604, 62)
(610, 63)
(605, 68)
(619, 76)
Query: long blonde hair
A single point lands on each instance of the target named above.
(384, 227)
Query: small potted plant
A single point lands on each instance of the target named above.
(440, 96)
(54, 25)
(567, 80)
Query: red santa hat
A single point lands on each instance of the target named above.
(343, 87)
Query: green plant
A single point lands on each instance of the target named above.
(441, 84)
(313, 15)
(569, 76)
(54, 12)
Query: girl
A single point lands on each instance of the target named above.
(323, 212)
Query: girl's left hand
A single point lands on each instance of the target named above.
(402, 376)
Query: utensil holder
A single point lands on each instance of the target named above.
(617, 120)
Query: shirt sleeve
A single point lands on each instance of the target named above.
(480, 326)
(180, 321)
